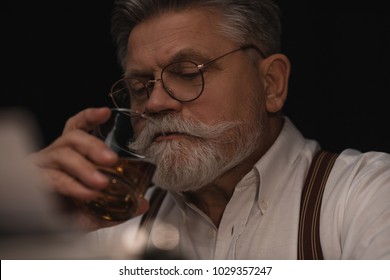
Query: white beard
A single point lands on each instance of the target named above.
(201, 155)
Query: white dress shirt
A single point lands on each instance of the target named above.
(261, 219)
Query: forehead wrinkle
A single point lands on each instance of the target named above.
(153, 44)
(154, 50)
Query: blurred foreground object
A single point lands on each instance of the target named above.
(24, 206)
(31, 225)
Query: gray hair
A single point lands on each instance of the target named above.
(245, 21)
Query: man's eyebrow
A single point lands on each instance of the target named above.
(187, 54)
(137, 74)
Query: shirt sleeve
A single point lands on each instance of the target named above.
(356, 208)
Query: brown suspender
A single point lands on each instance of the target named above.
(155, 202)
(309, 246)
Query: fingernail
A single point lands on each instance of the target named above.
(109, 154)
(99, 177)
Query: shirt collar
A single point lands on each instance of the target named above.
(279, 158)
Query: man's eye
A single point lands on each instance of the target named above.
(189, 76)
(184, 70)
(138, 92)
(136, 89)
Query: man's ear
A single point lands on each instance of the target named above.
(276, 71)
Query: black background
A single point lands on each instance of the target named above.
(58, 58)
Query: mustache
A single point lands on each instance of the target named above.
(174, 124)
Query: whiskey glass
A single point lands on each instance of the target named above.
(131, 176)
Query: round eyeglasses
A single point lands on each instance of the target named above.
(183, 81)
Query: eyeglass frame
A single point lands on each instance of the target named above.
(200, 68)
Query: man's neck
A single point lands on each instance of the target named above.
(213, 198)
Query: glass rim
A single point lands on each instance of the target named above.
(126, 112)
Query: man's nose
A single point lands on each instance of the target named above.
(159, 100)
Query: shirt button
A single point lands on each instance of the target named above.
(264, 206)
(210, 234)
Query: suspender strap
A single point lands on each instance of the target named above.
(309, 245)
(155, 202)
